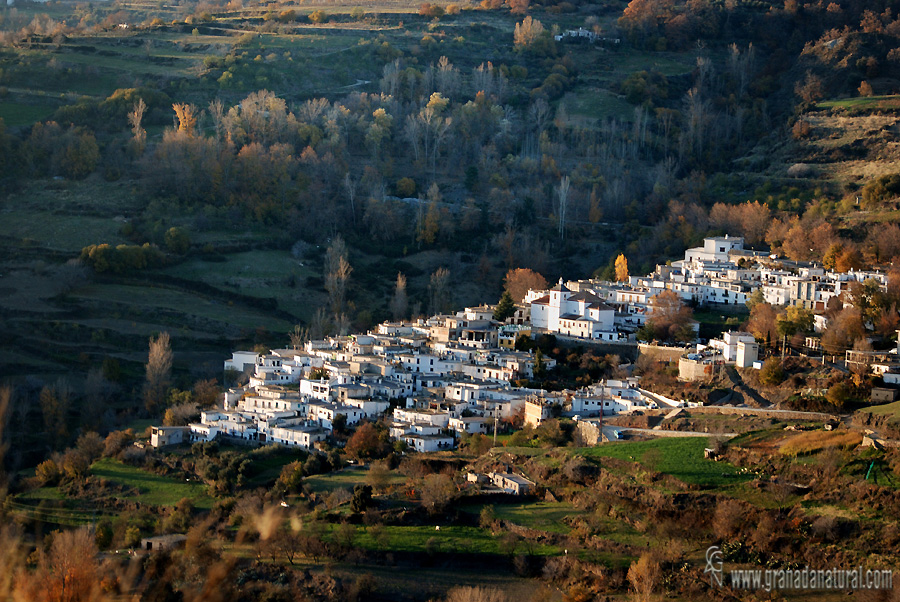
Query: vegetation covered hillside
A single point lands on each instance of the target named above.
(226, 172)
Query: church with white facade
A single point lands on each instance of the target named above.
(578, 314)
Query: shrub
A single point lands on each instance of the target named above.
(177, 241)
(884, 188)
(431, 10)
(47, 473)
(486, 517)
(405, 187)
(772, 373)
(801, 129)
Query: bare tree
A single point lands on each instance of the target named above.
(139, 134)
(97, 393)
(704, 74)
(55, 403)
(12, 559)
(187, 118)
(390, 79)
(312, 110)
(447, 77)
(321, 325)
(400, 301)
(336, 285)
(5, 406)
(527, 32)
(741, 64)
(696, 116)
(428, 130)
(159, 371)
(299, 335)
(69, 568)
(342, 324)
(217, 112)
(350, 186)
(562, 193)
(437, 491)
(727, 520)
(644, 575)
(413, 134)
(337, 274)
(440, 279)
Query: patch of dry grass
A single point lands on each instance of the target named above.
(814, 441)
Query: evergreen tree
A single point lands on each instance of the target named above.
(506, 308)
(538, 362)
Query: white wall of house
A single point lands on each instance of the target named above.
(441, 419)
(472, 425)
(294, 437)
(428, 443)
(240, 360)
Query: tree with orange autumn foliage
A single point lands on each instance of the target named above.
(519, 281)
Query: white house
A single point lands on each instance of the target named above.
(729, 343)
(413, 416)
(203, 432)
(241, 360)
(370, 408)
(469, 424)
(161, 436)
(715, 249)
(324, 413)
(428, 443)
(304, 436)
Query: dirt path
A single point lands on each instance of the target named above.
(739, 387)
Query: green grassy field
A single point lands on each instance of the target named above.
(61, 232)
(431, 583)
(544, 516)
(714, 322)
(596, 102)
(16, 113)
(452, 539)
(152, 489)
(259, 273)
(266, 464)
(862, 102)
(520, 451)
(48, 505)
(888, 409)
(680, 457)
(139, 425)
(345, 479)
(188, 304)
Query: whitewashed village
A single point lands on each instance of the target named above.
(450, 376)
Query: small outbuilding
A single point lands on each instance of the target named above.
(161, 436)
(161, 543)
(883, 395)
(511, 483)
